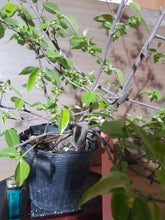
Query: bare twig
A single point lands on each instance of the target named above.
(121, 6)
(159, 37)
(33, 139)
(20, 110)
(144, 51)
(35, 11)
(144, 104)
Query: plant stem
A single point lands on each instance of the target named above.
(121, 6)
(144, 104)
(144, 51)
(33, 139)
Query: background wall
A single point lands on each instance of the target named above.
(14, 58)
(152, 4)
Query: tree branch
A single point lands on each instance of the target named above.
(144, 51)
(144, 104)
(121, 6)
(159, 37)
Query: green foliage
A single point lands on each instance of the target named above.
(11, 137)
(156, 215)
(133, 21)
(8, 152)
(73, 23)
(19, 103)
(21, 172)
(2, 31)
(104, 18)
(140, 210)
(10, 9)
(63, 120)
(109, 181)
(32, 78)
(137, 9)
(51, 7)
(119, 205)
(117, 126)
(27, 70)
(153, 94)
(52, 77)
(157, 55)
(44, 36)
(88, 97)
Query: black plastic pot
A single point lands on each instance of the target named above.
(56, 180)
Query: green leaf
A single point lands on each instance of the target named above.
(43, 26)
(35, 104)
(21, 172)
(14, 89)
(10, 9)
(32, 78)
(133, 21)
(119, 205)
(153, 50)
(53, 54)
(73, 22)
(140, 210)
(12, 22)
(144, 91)
(114, 129)
(8, 152)
(77, 42)
(160, 174)
(2, 31)
(19, 103)
(88, 97)
(103, 18)
(27, 70)
(112, 180)
(49, 43)
(67, 63)
(120, 76)
(51, 7)
(64, 120)
(136, 7)
(53, 77)
(3, 12)
(156, 212)
(11, 137)
(27, 17)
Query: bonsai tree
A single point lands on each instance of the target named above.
(43, 30)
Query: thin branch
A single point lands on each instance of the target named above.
(159, 37)
(142, 175)
(105, 144)
(144, 104)
(109, 6)
(144, 51)
(33, 139)
(35, 11)
(20, 110)
(147, 197)
(121, 6)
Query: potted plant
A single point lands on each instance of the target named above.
(42, 29)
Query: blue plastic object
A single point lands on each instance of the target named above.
(14, 200)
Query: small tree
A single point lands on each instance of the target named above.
(41, 34)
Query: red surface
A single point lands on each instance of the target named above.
(105, 168)
(90, 212)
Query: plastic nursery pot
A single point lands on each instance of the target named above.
(56, 180)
